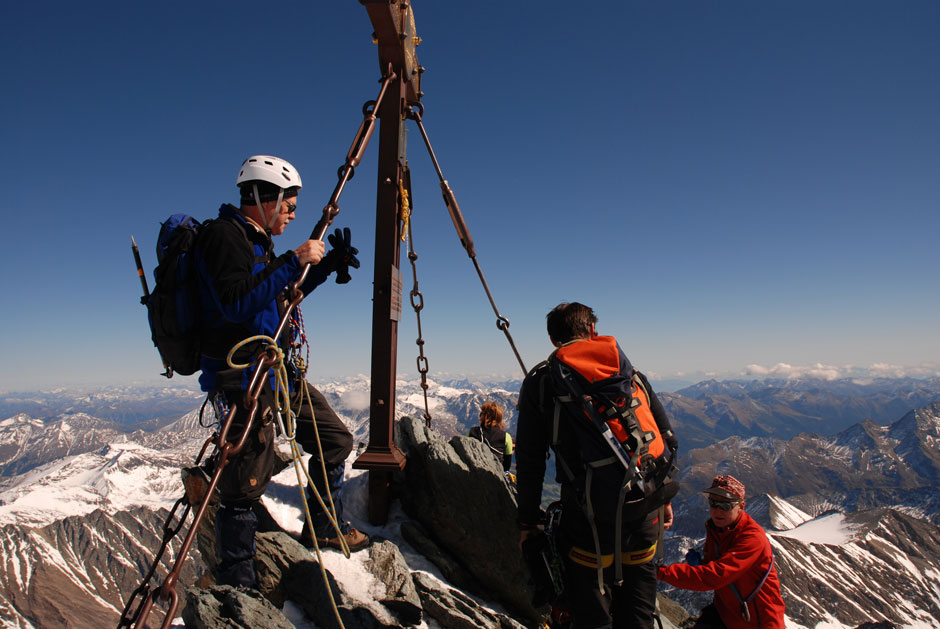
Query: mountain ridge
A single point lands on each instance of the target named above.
(864, 490)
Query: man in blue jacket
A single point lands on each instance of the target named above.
(243, 291)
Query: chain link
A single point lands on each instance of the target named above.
(417, 299)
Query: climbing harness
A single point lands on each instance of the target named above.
(588, 559)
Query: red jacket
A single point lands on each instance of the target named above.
(738, 555)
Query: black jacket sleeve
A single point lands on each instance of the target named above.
(533, 439)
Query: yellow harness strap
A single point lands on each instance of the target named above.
(630, 558)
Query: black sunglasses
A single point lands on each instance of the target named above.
(291, 207)
(721, 505)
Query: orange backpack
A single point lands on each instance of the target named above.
(621, 446)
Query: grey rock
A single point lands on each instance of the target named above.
(453, 571)
(388, 566)
(287, 571)
(671, 614)
(455, 610)
(225, 606)
(279, 559)
(458, 492)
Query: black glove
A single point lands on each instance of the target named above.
(342, 255)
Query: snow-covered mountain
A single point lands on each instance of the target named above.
(877, 565)
(852, 518)
(849, 515)
(866, 466)
(843, 570)
(78, 571)
(126, 405)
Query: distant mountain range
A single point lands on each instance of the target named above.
(852, 509)
(126, 406)
(866, 466)
(79, 571)
(713, 410)
(703, 413)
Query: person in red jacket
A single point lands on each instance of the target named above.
(738, 565)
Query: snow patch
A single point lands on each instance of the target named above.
(829, 529)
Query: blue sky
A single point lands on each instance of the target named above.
(728, 184)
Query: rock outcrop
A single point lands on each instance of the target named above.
(463, 511)
(458, 492)
(475, 549)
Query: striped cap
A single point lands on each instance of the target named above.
(727, 487)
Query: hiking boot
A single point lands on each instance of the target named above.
(196, 483)
(355, 540)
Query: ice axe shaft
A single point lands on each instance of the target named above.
(140, 271)
(167, 371)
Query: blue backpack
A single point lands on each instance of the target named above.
(173, 306)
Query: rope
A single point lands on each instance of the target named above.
(282, 404)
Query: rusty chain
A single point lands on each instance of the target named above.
(417, 298)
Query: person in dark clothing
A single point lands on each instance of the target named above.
(492, 433)
(593, 595)
(243, 289)
(738, 565)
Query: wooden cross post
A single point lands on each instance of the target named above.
(394, 32)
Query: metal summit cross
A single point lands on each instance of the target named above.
(394, 32)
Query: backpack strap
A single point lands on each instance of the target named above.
(589, 512)
(556, 424)
(583, 402)
(669, 468)
(577, 397)
(268, 254)
(745, 612)
(485, 440)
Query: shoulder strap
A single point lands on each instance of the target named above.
(750, 597)
(576, 396)
(243, 230)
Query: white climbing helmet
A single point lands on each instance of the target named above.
(271, 169)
